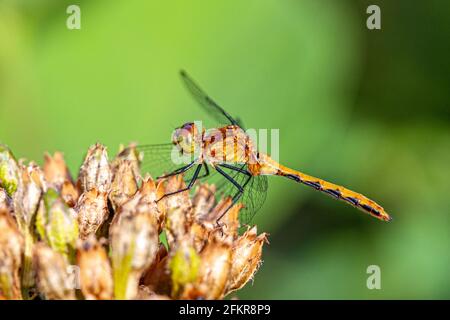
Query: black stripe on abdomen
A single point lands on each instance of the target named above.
(370, 209)
(334, 193)
(351, 200)
(314, 184)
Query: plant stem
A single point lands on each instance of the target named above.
(27, 267)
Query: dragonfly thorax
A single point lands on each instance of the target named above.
(229, 144)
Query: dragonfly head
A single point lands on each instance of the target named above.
(186, 137)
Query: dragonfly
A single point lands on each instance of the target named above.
(227, 156)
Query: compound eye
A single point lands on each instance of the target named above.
(179, 135)
(187, 137)
(179, 138)
(189, 127)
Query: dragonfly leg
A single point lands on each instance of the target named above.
(191, 183)
(234, 168)
(205, 174)
(244, 171)
(206, 171)
(179, 170)
(240, 188)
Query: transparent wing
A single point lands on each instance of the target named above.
(208, 104)
(254, 195)
(162, 159)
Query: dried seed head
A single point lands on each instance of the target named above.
(201, 231)
(200, 234)
(144, 201)
(157, 276)
(69, 193)
(246, 258)
(91, 211)
(56, 224)
(9, 170)
(177, 225)
(130, 154)
(56, 172)
(184, 268)
(229, 221)
(180, 199)
(95, 173)
(136, 236)
(134, 242)
(124, 183)
(159, 280)
(203, 201)
(28, 194)
(57, 176)
(151, 192)
(205, 261)
(213, 271)
(11, 250)
(95, 270)
(53, 278)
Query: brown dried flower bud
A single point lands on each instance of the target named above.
(28, 194)
(95, 271)
(57, 176)
(208, 225)
(91, 211)
(213, 271)
(26, 201)
(180, 199)
(124, 183)
(200, 234)
(56, 172)
(177, 226)
(246, 258)
(157, 277)
(95, 172)
(203, 201)
(69, 193)
(151, 191)
(52, 274)
(11, 251)
(134, 242)
(144, 201)
(130, 154)
(229, 221)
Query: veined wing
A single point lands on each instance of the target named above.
(254, 195)
(158, 159)
(208, 104)
(162, 159)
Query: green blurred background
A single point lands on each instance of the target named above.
(365, 109)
